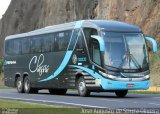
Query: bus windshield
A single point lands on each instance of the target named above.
(125, 50)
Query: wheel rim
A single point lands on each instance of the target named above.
(26, 85)
(19, 85)
(82, 87)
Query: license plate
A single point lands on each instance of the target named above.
(130, 85)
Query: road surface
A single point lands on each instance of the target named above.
(96, 100)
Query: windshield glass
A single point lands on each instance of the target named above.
(125, 50)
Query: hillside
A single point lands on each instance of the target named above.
(27, 15)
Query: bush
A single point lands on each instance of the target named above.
(1, 66)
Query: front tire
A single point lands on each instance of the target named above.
(58, 91)
(82, 90)
(121, 93)
(20, 85)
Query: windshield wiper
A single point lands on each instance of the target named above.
(128, 57)
(135, 61)
(112, 68)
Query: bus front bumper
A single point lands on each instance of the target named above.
(124, 85)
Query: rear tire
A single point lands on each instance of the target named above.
(20, 85)
(28, 88)
(58, 91)
(121, 93)
(81, 86)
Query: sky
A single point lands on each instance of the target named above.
(3, 6)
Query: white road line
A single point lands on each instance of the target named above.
(154, 104)
(57, 102)
(111, 100)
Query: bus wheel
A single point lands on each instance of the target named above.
(121, 93)
(19, 85)
(27, 85)
(58, 91)
(82, 90)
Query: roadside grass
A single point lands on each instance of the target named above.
(35, 108)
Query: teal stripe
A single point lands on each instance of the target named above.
(67, 55)
(62, 66)
(70, 39)
(91, 72)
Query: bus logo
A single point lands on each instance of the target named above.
(74, 59)
(40, 68)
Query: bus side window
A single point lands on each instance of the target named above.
(80, 44)
(25, 46)
(56, 41)
(61, 41)
(52, 42)
(67, 37)
(36, 45)
(46, 43)
(96, 53)
(9, 47)
(74, 38)
(88, 32)
(17, 47)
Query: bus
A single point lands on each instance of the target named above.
(87, 55)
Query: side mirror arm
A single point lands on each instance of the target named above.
(101, 42)
(154, 44)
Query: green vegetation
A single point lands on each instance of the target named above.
(1, 66)
(20, 104)
(34, 108)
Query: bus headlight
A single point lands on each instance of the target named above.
(107, 75)
(146, 77)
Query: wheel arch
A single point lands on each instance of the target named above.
(78, 75)
(25, 74)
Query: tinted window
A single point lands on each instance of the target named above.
(9, 47)
(96, 53)
(62, 40)
(36, 45)
(53, 42)
(88, 32)
(17, 46)
(13, 47)
(25, 46)
(67, 39)
(80, 43)
(46, 43)
(74, 38)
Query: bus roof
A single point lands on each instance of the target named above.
(107, 25)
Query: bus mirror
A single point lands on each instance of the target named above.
(100, 40)
(154, 44)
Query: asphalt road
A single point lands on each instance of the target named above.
(96, 100)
